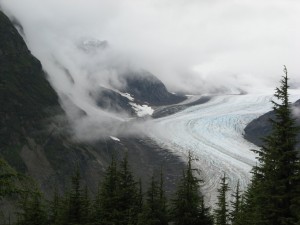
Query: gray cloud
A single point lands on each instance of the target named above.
(192, 46)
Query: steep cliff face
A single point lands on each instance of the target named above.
(33, 137)
(31, 117)
(26, 98)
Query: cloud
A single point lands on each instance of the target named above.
(192, 46)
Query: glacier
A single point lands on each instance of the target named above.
(213, 133)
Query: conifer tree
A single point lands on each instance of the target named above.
(187, 206)
(77, 203)
(32, 210)
(128, 194)
(236, 204)
(55, 209)
(8, 180)
(149, 214)
(154, 211)
(277, 179)
(163, 201)
(250, 212)
(96, 208)
(106, 212)
(75, 200)
(140, 195)
(85, 207)
(221, 211)
(205, 214)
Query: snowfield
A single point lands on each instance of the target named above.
(213, 133)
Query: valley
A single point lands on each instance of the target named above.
(213, 132)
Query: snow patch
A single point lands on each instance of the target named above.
(142, 110)
(115, 139)
(127, 95)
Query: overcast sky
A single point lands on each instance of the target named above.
(191, 45)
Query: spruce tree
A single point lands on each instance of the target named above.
(162, 201)
(140, 196)
(155, 211)
(106, 212)
(32, 210)
(149, 214)
(221, 211)
(128, 195)
(250, 210)
(78, 203)
(75, 200)
(187, 206)
(279, 167)
(55, 209)
(96, 208)
(85, 207)
(235, 204)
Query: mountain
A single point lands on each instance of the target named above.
(141, 92)
(113, 101)
(128, 90)
(34, 130)
(261, 127)
(27, 99)
(31, 119)
(145, 87)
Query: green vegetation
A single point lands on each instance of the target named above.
(273, 195)
(120, 201)
(187, 206)
(155, 210)
(236, 204)
(221, 212)
(8, 180)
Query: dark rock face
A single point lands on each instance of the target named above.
(261, 127)
(110, 100)
(32, 121)
(26, 98)
(143, 87)
(147, 88)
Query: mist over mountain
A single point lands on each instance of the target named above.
(36, 135)
(195, 47)
(85, 81)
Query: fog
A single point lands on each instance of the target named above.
(192, 46)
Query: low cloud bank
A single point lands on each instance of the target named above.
(192, 46)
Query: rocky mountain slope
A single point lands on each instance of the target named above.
(34, 135)
(141, 93)
(145, 87)
(261, 127)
